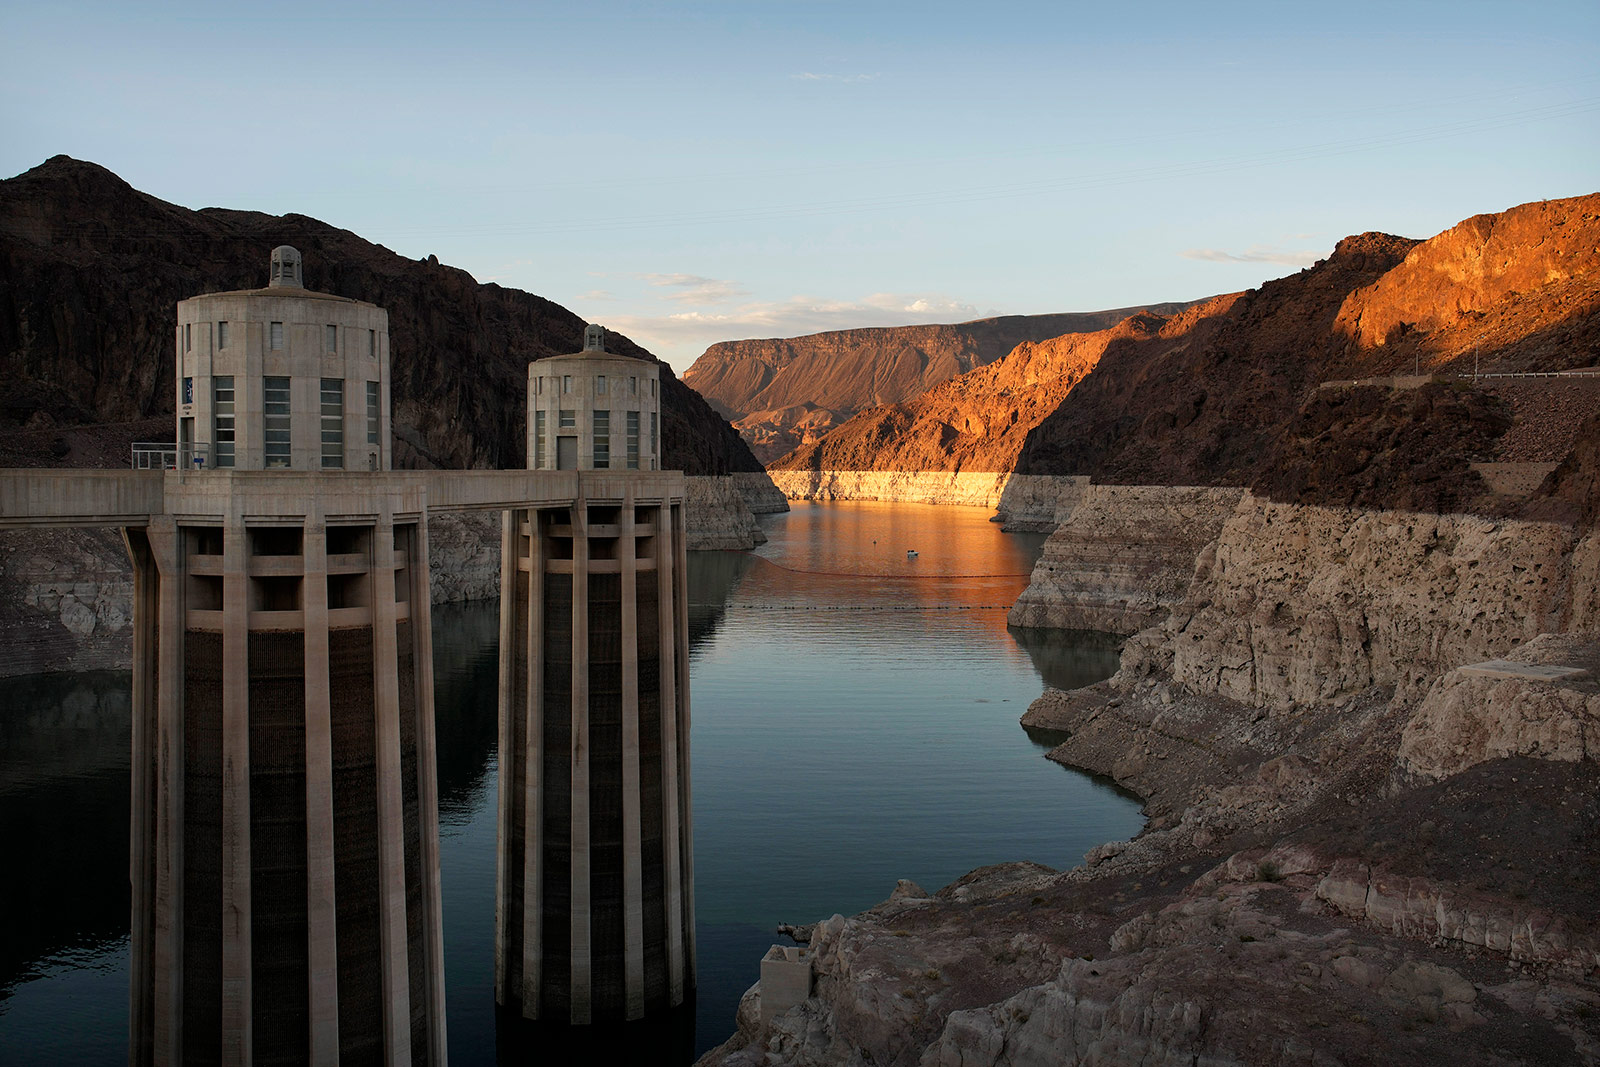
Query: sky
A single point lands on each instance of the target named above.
(693, 172)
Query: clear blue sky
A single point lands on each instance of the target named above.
(694, 172)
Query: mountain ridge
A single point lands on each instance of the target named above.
(1219, 394)
(785, 391)
(91, 268)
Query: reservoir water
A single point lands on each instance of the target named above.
(854, 722)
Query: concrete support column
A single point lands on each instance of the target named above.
(533, 778)
(680, 585)
(237, 1036)
(632, 848)
(428, 790)
(167, 923)
(506, 764)
(671, 824)
(322, 983)
(582, 968)
(391, 805)
(142, 824)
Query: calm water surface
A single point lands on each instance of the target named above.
(854, 722)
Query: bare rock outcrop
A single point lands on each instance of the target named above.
(980, 420)
(66, 601)
(1304, 604)
(1527, 272)
(784, 393)
(1121, 557)
(718, 517)
(1467, 719)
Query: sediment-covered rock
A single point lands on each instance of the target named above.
(1467, 719)
(1305, 604)
(1121, 557)
(1024, 502)
(761, 496)
(717, 515)
(66, 601)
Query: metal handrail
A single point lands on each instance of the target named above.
(169, 455)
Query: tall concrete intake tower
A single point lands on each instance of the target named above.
(594, 917)
(285, 837)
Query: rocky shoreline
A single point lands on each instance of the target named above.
(1360, 849)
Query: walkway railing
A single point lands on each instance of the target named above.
(168, 456)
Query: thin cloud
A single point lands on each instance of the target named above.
(597, 294)
(796, 315)
(1253, 254)
(695, 289)
(811, 76)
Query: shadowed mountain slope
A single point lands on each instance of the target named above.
(91, 268)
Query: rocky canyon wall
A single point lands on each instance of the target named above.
(1122, 556)
(1304, 604)
(1025, 502)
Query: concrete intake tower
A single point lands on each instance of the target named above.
(594, 917)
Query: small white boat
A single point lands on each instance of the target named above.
(911, 553)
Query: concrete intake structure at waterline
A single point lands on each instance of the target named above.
(284, 849)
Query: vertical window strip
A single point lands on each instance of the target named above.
(633, 440)
(222, 419)
(275, 335)
(332, 423)
(332, 333)
(602, 439)
(538, 440)
(222, 335)
(275, 408)
(372, 413)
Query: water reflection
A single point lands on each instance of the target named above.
(855, 722)
(64, 757)
(1070, 659)
(714, 577)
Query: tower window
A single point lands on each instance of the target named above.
(222, 335)
(600, 385)
(372, 344)
(566, 383)
(188, 390)
(633, 440)
(602, 439)
(332, 423)
(372, 413)
(222, 418)
(538, 440)
(275, 335)
(188, 336)
(569, 419)
(275, 397)
(332, 333)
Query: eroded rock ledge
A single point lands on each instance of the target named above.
(1356, 853)
(1121, 556)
